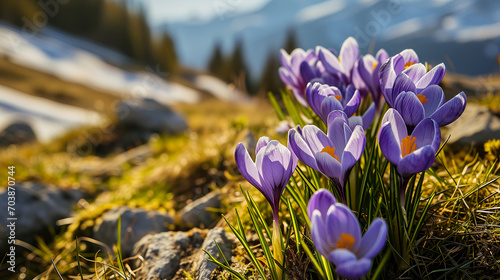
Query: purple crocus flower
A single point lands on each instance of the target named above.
(395, 75)
(336, 234)
(429, 103)
(365, 75)
(301, 67)
(341, 66)
(324, 99)
(412, 153)
(333, 154)
(274, 165)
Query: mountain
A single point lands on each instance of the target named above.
(465, 34)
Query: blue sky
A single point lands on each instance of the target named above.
(196, 11)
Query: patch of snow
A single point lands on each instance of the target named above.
(218, 88)
(320, 10)
(67, 62)
(47, 118)
(403, 28)
(479, 33)
(105, 53)
(240, 24)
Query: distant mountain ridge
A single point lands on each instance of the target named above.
(463, 34)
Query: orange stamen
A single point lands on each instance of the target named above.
(408, 145)
(338, 97)
(408, 64)
(346, 241)
(374, 64)
(331, 151)
(422, 98)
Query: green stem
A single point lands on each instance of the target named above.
(277, 251)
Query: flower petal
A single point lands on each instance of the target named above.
(427, 132)
(329, 166)
(392, 131)
(284, 58)
(329, 104)
(355, 121)
(336, 114)
(312, 96)
(263, 141)
(451, 110)
(306, 71)
(321, 200)
(276, 167)
(368, 116)
(341, 219)
(287, 78)
(433, 77)
(373, 240)
(409, 55)
(294, 160)
(353, 149)
(318, 233)
(301, 149)
(354, 269)
(299, 96)
(330, 61)
(382, 56)
(269, 163)
(349, 54)
(410, 108)
(353, 104)
(387, 76)
(315, 138)
(246, 166)
(435, 98)
(401, 84)
(296, 57)
(418, 161)
(415, 72)
(341, 256)
(356, 78)
(339, 133)
(398, 125)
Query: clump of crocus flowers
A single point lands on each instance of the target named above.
(347, 92)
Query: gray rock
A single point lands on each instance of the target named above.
(476, 126)
(204, 268)
(161, 253)
(196, 214)
(17, 133)
(135, 224)
(37, 207)
(150, 115)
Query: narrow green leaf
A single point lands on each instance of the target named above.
(264, 245)
(78, 257)
(245, 245)
(276, 106)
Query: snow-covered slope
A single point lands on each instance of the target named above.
(60, 55)
(48, 119)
